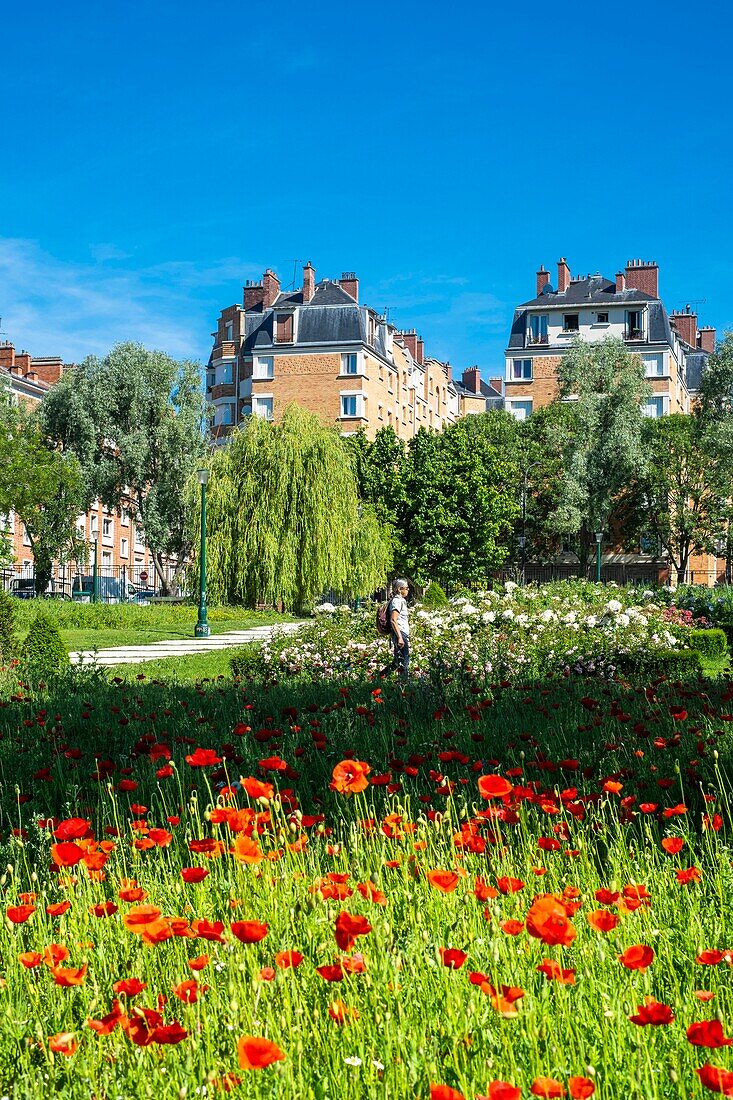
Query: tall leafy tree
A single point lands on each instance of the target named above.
(460, 499)
(715, 397)
(135, 421)
(676, 497)
(284, 518)
(607, 386)
(545, 442)
(44, 486)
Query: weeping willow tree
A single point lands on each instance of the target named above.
(284, 522)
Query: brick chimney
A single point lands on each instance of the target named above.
(706, 339)
(254, 294)
(472, 379)
(409, 339)
(643, 275)
(420, 350)
(23, 362)
(271, 284)
(309, 281)
(497, 384)
(620, 282)
(686, 325)
(350, 284)
(543, 278)
(49, 369)
(7, 355)
(563, 275)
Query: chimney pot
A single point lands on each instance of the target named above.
(563, 275)
(543, 278)
(309, 282)
(350, 284)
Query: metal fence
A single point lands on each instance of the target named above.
(109, 584)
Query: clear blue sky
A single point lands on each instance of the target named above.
(156, 155)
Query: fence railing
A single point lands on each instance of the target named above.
(110, 584)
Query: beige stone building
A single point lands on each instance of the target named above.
(320, 347)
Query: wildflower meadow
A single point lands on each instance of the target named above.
(503, 878)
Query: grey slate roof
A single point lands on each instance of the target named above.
(331, 294)
(695, 364)
(331, 316)
(595, 290)
(321, 324)
(660, 331)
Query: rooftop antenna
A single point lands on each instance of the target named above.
(1, 328)
(689, 302)
(295, 275)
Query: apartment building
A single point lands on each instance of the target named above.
(671, 346)
(120, 546)
(320, 347)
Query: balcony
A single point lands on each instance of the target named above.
(534, 338)
(634, 334)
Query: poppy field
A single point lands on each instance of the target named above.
(365, 889)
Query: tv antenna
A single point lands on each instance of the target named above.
(1, 328)
(295, 275)
(693, 302)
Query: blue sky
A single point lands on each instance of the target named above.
(157, 155)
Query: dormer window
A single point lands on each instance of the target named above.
(538, 329)
(634, 324)
(284, 328)
(571, 322)
(229, 330)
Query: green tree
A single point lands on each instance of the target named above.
(284, 519)
(135, 420)
(606, 383)
(44, 486)
(460, 500)
(715, 396)
(677, 498)
(545, 440)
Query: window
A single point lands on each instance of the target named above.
(380, 412)
(26, 540)
(227, 413)
(653, 365)
(125, 517)
(210, 379)
(520, 409)
(262, 406)
(263, 367)
(229, 330)
(349, 363)
(654, 407)
(106, 528)
(570, 322)
(226, 376)
(520, 370)
(601, 318)
(106, 559)
(284, 328)
(349, 405)
(538, 329)
(94, 526)
(124, 548)
(634, 324)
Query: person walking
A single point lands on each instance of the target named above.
(399, 628)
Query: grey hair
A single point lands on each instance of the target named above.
(401, 582)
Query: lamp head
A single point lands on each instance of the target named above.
(599, 537)
(522, 540)
(203, 476)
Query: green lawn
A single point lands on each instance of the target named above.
(101, 626)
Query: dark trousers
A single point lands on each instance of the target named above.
(401, 654)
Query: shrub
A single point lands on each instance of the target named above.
(7, 637)
(434, 596)
(710, 644)
(248, 662)
(673, 664)
(43, 656)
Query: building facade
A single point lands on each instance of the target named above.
(671, 346)
(319, 347)
(121, 551)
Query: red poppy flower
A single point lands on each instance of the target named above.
(63, 1043)
(342, 1013)
(511, 927)
(673, 844)
(688, 875)
(30, 959)
(199, 962)
(286, 959)
(708, 1033)
(58, 908)
(554, 972)
(130, 986)
(203, 758)
(249, 931)
(580, 1088)
(55, 954)
(255, 788)
(637, 957)
(501, 1090)
(19, 914)
(444, 1092)
(547, 920)
(194, 874)
(348, 927)
(508, 885)
(350, 777)
(716, 1079)
(209, 930)
(169, 1034)
(256, 1053)
(601, 920)
(444, 881)
(494, 786)
(69, 976)
(652, 1012)
(711, 957)
(331, 973)
(73, 828)
(189, 991)
(452, 957)
(547, 1087)
(104, 909)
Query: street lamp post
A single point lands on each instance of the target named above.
(522, 546)
(599, 540)
(202, 626)
(523, 536)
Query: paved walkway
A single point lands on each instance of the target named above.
(179, 647)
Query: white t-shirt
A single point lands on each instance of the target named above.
(398, 604)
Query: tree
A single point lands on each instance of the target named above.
(607, 386)
(284, 519)
(44, 487)
(715, 396)
(677, 496)
(545, 440)
(135, 420)
(460, 499)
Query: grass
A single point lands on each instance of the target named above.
(100, 626)
(584, 763)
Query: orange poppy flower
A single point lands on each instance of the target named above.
(255, 788)
(58, 908)
(249, 931)
(256, 1053)
(69, 976)
(285, 959)
(55, 954)
(138, 918)
(601, 920)
(494, 786)
(444, 881)
(30, 959)
(444, 1092)
(63, 1043)
(350, 777)
(247, 850)
(547, 1087)
(547, 920)
(199, 962)
(637, 957)
(580, 1088)
(342, 1013)
(554, 972)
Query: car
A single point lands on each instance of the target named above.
(24, 588)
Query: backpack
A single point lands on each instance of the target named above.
(383, 624)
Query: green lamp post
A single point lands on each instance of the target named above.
(202, 626)
(599, 541)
